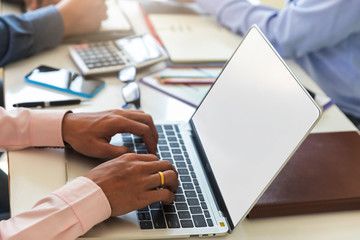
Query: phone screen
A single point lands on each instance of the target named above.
(64, 80)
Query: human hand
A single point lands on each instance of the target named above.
(129, 182)
(90, 133)
(82, 16)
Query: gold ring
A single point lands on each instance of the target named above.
(162, 179)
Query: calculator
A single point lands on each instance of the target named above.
(111, 56)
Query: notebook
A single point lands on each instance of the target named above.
(190, 38)
(246, 128)
(322, 176)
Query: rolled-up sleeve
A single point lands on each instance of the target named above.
(29, 33)
(67, 213)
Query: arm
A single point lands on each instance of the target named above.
(114, 188)
(62, 215)
(34, 31)
(303, 26)
(29, 33)
(23, 128)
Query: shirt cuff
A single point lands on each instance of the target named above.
(46, 128)
(48, 27)
(87, 201)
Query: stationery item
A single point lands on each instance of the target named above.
(324, 101)
(44, 104)
(185, 92)
(167, 7)
(182, 80)
(189, 94)
(111, 56)
(323, 175)
(190, 38)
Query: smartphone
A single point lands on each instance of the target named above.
(65, 80)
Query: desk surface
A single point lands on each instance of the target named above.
(31, 167)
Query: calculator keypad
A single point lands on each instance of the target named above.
(99, 55)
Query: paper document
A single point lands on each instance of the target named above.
(194, 38)
(191, 94)
(116, 20)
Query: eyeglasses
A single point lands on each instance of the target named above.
(131, 91)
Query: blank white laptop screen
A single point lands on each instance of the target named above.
(251, 122)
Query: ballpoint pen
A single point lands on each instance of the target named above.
(44, 104)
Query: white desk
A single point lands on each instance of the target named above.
(36, 172)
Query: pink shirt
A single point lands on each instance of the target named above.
(68, 212)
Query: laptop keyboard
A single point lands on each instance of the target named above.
(189, 209)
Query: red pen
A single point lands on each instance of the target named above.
(187, 80)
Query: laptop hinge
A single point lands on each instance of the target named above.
(211, 178)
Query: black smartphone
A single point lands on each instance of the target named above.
(65, 80)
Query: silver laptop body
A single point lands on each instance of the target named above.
(250, 123)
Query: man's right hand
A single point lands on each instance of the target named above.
(82, 16)
(130, 181)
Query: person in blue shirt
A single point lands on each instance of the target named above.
(29, 33)
(322, 36)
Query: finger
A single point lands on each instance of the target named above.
(104, 15)
(140, 116)
(164, 195)
(157, 166)
(121, 124)
(147, 157)
(106, 150)
(136, 128)
(170, 180)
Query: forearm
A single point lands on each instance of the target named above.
(301, 27)
(65, 214)
(25, 128)
(29, 33)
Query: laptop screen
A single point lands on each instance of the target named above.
(252, 120)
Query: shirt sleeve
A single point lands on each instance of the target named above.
(23, 128)
(67, 213)
(301, 27)
(29, 33)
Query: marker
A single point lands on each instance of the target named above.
(48, 104)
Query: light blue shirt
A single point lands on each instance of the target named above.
(322, 36)
(24, 35)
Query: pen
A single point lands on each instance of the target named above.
(324, 101)
(48, 103)
(187, 80)
(312, 94)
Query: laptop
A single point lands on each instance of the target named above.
(248, 125)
